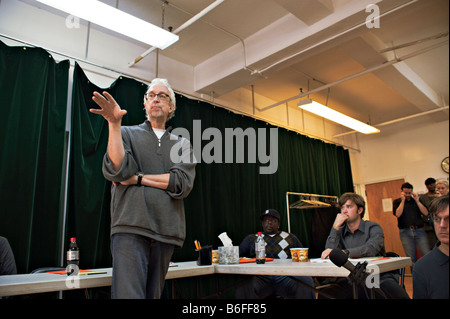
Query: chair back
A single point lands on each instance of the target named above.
(401, 271)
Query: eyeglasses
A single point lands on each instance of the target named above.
(162, 96)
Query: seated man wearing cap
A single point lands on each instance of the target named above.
(278, 245)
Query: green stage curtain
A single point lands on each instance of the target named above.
(227, 197)
(89, 192)
(33, 104)
(230, 197)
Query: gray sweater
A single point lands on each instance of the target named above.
(147, 211)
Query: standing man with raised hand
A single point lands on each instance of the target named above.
(147, 209)
(409, 210)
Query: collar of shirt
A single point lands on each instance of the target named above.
(361, 228)
(440, 257)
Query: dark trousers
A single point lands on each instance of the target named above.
(342, 288)
(140, 265)
(259, 287)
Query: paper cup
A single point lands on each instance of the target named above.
(215, 256)
(303, 255)
(295, 254)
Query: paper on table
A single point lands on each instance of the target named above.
(319, 260)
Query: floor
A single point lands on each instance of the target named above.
(409, 285)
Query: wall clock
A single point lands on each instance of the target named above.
(444, 164)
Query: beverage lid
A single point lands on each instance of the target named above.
(73, 239)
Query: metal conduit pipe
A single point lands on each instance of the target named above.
(369, 70)
(179, 29)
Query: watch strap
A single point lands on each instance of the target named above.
(140, 175)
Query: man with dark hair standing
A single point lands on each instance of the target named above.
(409, 210)
(426, 199)
(430, 274)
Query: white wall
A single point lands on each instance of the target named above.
(411, 149)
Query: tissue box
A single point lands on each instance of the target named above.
(229, 255)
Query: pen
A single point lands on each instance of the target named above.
(96, 273)
(197, 245)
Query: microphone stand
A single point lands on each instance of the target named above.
(358, 277)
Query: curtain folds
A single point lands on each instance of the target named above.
(33, 104)
(230, 197)
(88, 216)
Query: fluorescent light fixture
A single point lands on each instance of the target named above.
(111, 18)
(332, 115)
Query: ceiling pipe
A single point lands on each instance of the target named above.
(179, 29)
(439, 109)
(372, 69)
(405, 45)
(323, 87)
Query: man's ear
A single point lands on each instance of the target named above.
(360, 210)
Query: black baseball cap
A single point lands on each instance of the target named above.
(270, 212)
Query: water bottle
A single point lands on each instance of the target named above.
(260, 249)
(73, 257)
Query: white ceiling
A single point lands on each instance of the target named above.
(281, 47)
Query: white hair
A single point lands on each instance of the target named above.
(171, 93)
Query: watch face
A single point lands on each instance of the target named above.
(444, 164)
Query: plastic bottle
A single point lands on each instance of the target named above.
(260, 249)
(73, 257)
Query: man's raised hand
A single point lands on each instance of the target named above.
(109, 108)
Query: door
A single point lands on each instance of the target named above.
(379, 203)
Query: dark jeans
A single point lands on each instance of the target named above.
(412, 239)
(140, 265)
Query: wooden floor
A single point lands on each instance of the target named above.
(409, 285)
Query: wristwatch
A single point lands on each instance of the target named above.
(140, 175)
